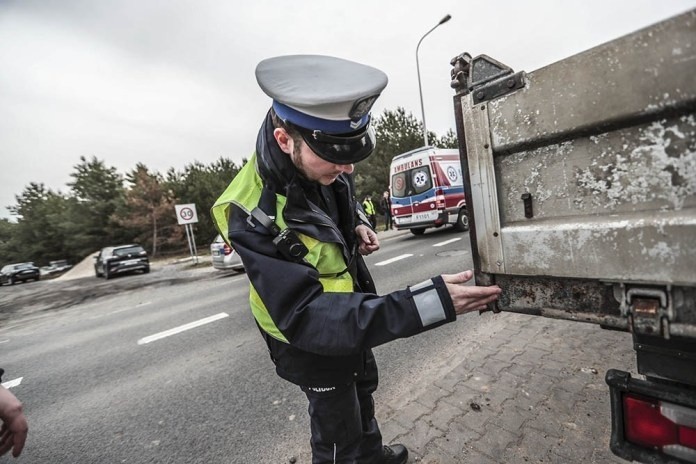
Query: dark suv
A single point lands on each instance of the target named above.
(19, 272)
(119, 259)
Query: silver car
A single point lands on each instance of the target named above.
(224, 257)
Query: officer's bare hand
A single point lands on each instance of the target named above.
(368, 240)
(467, 298)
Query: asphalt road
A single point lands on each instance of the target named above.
(99, 386)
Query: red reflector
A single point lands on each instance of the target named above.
(645, 425)
(687, 437)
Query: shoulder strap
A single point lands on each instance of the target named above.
(265, 211)
(286, 241)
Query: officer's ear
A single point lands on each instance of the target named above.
(285, 142)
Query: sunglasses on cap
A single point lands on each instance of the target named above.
(339, 149)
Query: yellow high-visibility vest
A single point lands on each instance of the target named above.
(245, 192)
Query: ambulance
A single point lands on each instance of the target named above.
(427, 190)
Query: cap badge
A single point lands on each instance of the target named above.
(362, 107)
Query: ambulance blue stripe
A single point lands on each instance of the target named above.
(426, 195)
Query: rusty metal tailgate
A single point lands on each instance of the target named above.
(582, 183)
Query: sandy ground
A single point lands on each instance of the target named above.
(84, 268)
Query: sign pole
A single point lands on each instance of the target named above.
(193, 243)
(188, 239)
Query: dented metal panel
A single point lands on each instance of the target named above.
(583, 183)
(641, 75)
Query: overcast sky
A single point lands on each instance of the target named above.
(170, 82)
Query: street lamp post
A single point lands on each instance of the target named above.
(420, 91)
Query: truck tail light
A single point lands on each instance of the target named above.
(687, 437)
(645, 425)
(660, 425)
(227, 249)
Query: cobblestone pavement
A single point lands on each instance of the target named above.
(528, 390)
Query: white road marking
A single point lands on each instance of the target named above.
(4, 341)
(12, 383)
(447, 242)
(182, 328)
(389, 261)
(139, 305)
(127, 308)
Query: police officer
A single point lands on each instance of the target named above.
(292, 215)
(369, 209)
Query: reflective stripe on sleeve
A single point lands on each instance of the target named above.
(428, 303)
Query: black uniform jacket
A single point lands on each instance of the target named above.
(329, 334)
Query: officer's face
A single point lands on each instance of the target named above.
(315, 168)
(309, 163)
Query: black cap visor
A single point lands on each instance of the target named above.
(340, 149)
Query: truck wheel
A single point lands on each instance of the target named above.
(107, 276)
(419, 231)
(462, 221)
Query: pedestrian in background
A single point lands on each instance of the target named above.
(293, 218)
(385, 204)
(369, 209)
(13, 432)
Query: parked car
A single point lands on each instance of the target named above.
(120, 259)
(223, 256)
(20, 272)
(56, 267)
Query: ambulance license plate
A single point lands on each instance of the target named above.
(426, 216)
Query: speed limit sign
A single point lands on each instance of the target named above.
(186, 214)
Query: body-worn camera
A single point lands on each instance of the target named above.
(289, 245)
(286, 241)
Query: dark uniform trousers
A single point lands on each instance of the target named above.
(343, 424)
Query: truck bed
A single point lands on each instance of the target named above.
(582, 181)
